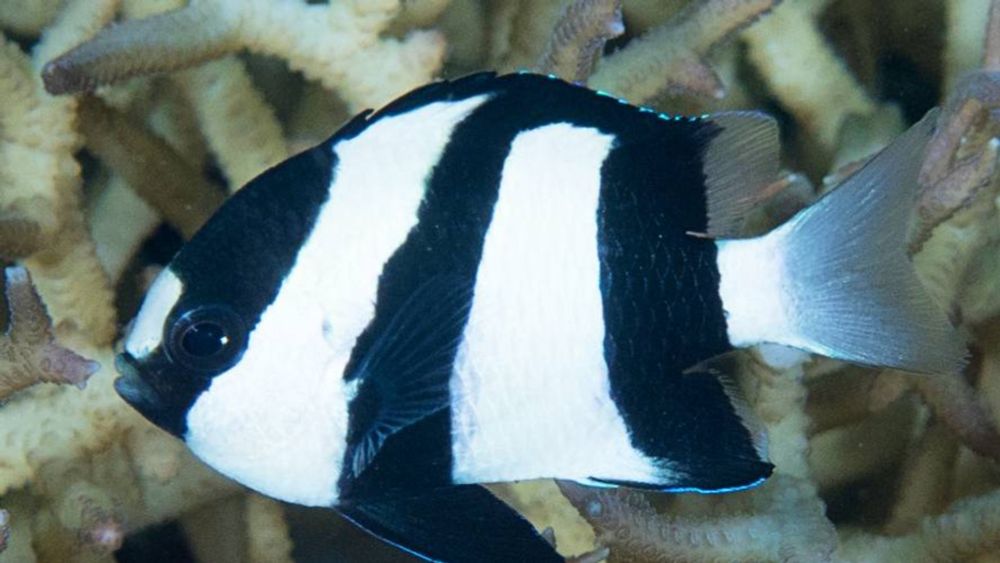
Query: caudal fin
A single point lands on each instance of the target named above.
(836, 280)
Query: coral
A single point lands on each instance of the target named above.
(671, 57)
(780, 522)
(160, 176)
(4, 529)
(801, 68)
(268, 531)
(970, 528)
(337, 44)
(28, 351)
(169, 105)
(579, 36)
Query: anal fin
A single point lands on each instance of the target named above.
(454, 524)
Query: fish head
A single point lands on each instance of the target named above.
(229, 350)
(174, 348)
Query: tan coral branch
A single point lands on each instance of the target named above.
(267, 531)
(46, 180)
(238, 124)
(19, 237)
(970, 528)
(670, 58)
(801, 69)
(150, 166)
(784, 524)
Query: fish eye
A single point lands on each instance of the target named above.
(207, 338)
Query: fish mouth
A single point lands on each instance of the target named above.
(131, 386)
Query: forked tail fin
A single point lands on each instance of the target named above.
(836, 280)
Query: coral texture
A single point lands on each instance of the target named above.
(125, 123)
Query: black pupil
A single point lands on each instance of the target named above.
(204, 339)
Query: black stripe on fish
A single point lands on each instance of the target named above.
(663, 313)
(446, 241)
(267, 221)
(657, 167)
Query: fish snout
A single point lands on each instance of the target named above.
(131, 386)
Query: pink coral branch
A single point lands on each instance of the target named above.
(952, 400)
(28, 351)
(955, 402)
(583, 29)
(961, 156)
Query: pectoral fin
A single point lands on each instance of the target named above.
(404, 376)
(455, 524)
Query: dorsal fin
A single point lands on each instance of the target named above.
(740, 162)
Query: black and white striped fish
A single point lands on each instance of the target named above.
(502, 278)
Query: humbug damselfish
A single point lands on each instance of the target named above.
(508, 277)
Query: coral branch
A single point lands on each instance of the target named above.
(927, 475)
(19, 237)
(845, 455)
(964, 38)
(28, 17)
(42, 180)
(267, 531)
(955, 402)
(240, 127)
(670, 57)
(801, 69)
(546, 508)
(323, 41)
(970, 528)
(28, 352)
(961, 156)
(120, 221)
(583, 29)
(150, 166)
(159, 43)
(91, 514)
(4, 529)
(991, 49)
(785, 524)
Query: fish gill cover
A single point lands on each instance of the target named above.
(119, 117)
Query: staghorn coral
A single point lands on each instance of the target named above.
(800, 69)
(28, 352)
(671, 57)
(324, 42)
(580, 34)
(871, 466)
(4, 529)
(160, 176)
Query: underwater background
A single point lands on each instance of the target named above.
(125, 123)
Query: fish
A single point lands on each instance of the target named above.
(510, 277)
